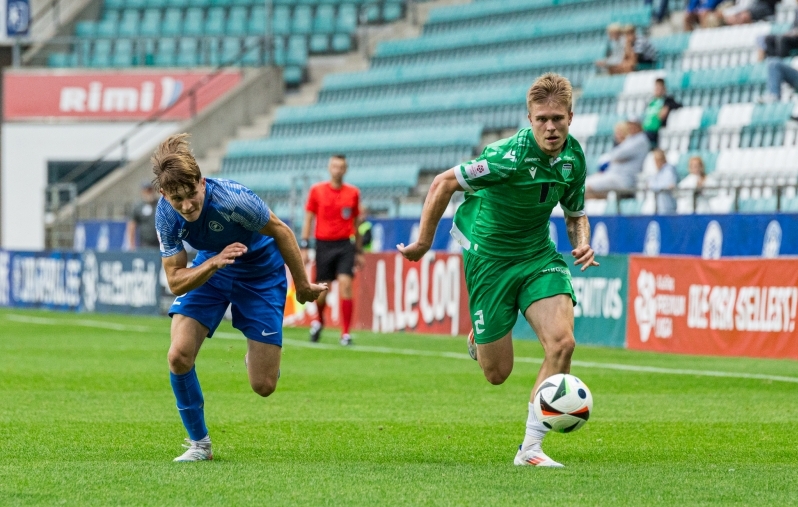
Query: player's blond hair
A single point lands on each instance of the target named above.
(550, 88)
(174, 165)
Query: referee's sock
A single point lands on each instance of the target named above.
(346, 313)
(321, 307)
(190, 403)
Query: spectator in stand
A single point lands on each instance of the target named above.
(616, 47)
(141, 224)
(626, 162)
(779, 72)
(746, 11)
(780, 45)
(656, 114)
(662, 183)
(639, 53)
(696, 176)
(701, 13)
(658, 13)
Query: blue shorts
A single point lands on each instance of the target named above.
(257, 305)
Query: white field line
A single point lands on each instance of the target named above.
(412, 352)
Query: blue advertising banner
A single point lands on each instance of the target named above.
(17, 18)
(48, 280)
(121, 282)
(709, 236)
(101, 236)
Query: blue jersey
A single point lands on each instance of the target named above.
(230, 213)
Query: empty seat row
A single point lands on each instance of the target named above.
(144, 4)
(488, 14)
(278, 184)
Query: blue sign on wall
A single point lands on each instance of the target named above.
(17, 18)
(711, 236)
(101, 236)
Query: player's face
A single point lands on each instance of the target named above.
(550, 122)
(188, 201)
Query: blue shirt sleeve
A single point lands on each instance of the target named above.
(165, 227)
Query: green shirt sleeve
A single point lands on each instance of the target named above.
(493, 167)
(573, 202)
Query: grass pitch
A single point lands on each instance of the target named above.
(87, 417)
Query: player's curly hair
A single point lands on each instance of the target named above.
(174, 165)
(550, 87)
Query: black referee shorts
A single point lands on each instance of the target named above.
(334, 258)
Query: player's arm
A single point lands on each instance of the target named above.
(305, 236)
(286, 243)
(440, 193)
(183, 279)
(578, 229)
(131, 234)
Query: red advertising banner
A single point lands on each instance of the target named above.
(393, 294)
(716, 307)
(111, 95)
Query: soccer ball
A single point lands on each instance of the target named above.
(563, 403)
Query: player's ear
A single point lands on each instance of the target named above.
(570, 117)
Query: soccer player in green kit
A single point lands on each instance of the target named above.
(509, 260)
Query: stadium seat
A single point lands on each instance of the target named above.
(346, 22)
(391, 11)
(150, 23)
(194, 22)
(319, 43)
(188, 53)
(165, 56)
(341, 42)
(172, 23)
(324, 20)
(281, 22)
(236, 21)
(257, 21)
(123, 53)
(214, 22)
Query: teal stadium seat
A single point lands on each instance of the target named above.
(302, 21)
(165, 56)
(257, 21)
(172, 23)
(115, 4)
(61, 60)
(129, 23)
(341, 42)
(255, 54)
(319, 43)
(281, 22)
(297, 53)
(231, 49)
(86, 28)
(150, 23)
(346, 21)
(156, 4)
(236, 21)
(194, 22)
(136, 4)
(221, 3)
(106, 28)
(101, 54)
(214, 22)
(371, 12)
(324, 20)
(391, 11)
(188, 52)
(111, 15)
(181, 4)
(123, 53)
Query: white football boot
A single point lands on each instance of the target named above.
(535, 457)
(472, 345)
(346, 340)
(196, 451)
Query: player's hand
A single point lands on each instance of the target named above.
(310, 292)
(413, 251)
(303, 253)
(584, 255)
(228, 255)
(360, 261)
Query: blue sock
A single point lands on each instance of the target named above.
(190, 403)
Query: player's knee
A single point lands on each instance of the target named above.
(561, 346)
(179, 361)
(497, 375)
(264, 387)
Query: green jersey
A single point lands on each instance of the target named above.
(511, 189)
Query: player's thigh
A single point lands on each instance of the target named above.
(258, 307)
(492, 287)
(263, 366)
(548, 301)
(497, 356)
(345, 259)
(206, 304)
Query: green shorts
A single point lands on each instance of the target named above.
(499, 288)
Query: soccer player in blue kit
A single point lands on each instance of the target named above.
(243, 249)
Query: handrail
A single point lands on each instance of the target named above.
(189, 94)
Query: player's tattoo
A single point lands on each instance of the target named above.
(578, 231)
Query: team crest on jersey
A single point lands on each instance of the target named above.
(182, 234)
(566, 169)
(215, 226)
(346, 213)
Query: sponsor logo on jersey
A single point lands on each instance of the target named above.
(510, 155)
(215, 226)
(566, 169)
(532, 159)
(346, 213)
(182, 234)
(477, 169)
